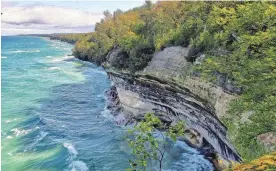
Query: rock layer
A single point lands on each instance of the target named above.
(141, 94)
(165, 88)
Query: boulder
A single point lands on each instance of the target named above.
(168, 63)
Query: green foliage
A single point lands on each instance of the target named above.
(248, 32)
(141, 31)
(128, 41)
(70, 38)
(238, 38)
(146, 146)
(140, 55)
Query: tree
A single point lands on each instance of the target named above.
(146, 146)
(117, 13)
(107, 14)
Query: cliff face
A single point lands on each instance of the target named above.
(140, 95)
(161, 89)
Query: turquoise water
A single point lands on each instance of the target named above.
(54, 116)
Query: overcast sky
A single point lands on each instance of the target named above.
(56, 17)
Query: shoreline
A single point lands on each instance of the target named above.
(208, 154)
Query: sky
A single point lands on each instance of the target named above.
(43, 17)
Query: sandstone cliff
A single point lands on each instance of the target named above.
(167, 88)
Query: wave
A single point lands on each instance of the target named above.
(99, 72)
(40, 137)
(10, 120)
(78, 166)
(17, 132)
(107, 114)
(9, 137)
(183, 146)
(192, 162)
(72, 73)
(24, 51)
(71, 149)
(53, 68)
(75, 165)
(60, 59)
(189, 159)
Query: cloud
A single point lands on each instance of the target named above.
(36, 17)
(7, 3)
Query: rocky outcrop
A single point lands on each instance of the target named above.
(116, 58)
(268, 140)
(169, 63)
(212, 94)
(166, 88)
(142, 94)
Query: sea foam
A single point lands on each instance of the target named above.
(71, 149)
(189, 159)
(78, 166)
(9, 137)
(17, 132)
(75, 165)
(60, 59)
(24, 51)
(53, 68)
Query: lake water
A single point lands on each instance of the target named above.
(54, 116)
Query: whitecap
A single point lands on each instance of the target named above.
(182, 145)
(53, 68)
(9, 154)
(25, 51)
(17, 132)
(56, 60)
(60, 59)
(71, 149)
(78, 166)
(4, 57)
(106, 113)
(8, 121)
(189, 159)
(9, 137)
(100, 96)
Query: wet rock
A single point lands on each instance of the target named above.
(113, 102)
